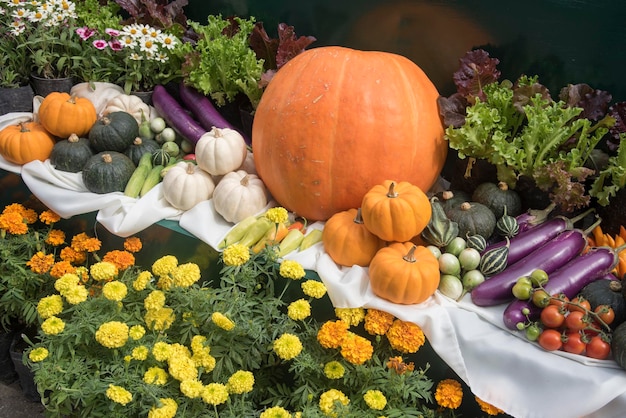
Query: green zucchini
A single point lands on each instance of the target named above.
(153, 178)
(138, 178)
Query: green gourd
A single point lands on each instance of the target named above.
(495, 260)
(507, 225)
(107, 172)
(440, 229)
(498, 196)
(114, 132)
(71, 154)
(473, 219)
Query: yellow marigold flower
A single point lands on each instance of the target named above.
(164, 265)
(488, 408)
(331, 333)
(72, 256)
(66, 282)
(133, 244)
(140, 352)
(165, 282)
(103, 271)
(121, 259)
(205, 360)
(314, 289)
(155, 376)
(375, 399)
(41, 263)
(161, 351)
(53, 325)
(127, 358)
(155, 300)
(356, 349)
(136, 332)
(160, 319)
(185, 275)
(182, 368)
(275, 412)
(13, 223)
(405, 337)
(215, 394)
(83, 273)
(167, 409)
(197, 343)
(49, 306)
(119, 394)
(191, 388)
(115, 290)
(76, 294)
(334, 370)
(377, 322)
(291, 269)
(277, 215)
(352, 316)
(38, 354)
(299, 310)
(49, 217)
(62, 267)
(113, 334)
(222, 321)
(236, 255)
(55, 237)
(328, 399)
(399, 366)
(240, 382)
(142, 280)
(287, 346)
(449, 394)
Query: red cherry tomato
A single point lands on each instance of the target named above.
(579, 303)
(552, 316)
(550, 339)
(605, 313)
(576, 321)
(598, 347)
(559, 299)
(573, 343)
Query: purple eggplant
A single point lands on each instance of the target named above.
(533, 217)
(548, 257)
(595, 264)
(176, 115)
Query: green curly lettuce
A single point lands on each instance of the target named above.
(612, 177)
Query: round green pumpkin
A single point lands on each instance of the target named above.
(71, 154)
(139, 147)
(107, 172)
(496, 197)
(114, 132)
(473, 218)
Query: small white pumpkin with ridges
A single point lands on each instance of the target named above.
(238, 195)
(220, 151)
(185, 185)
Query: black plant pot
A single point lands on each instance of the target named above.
(16, 99)
(25, 374)
(7, 370)
(44, 86)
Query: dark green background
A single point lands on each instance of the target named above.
(562, 41)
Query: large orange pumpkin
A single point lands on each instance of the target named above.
(25, 142)
(334, 122)
(63, 115)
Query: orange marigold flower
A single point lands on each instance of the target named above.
(487, 407)
(70, 255)
(49, 217)
(356, 349)
(14, 208)
(30, 216)
(55, 237)
(61, 268)
(405, 337)
(400, 367)
(133, 244)
(377, 322)
(331, 333)
(41, 263)
(13, 223)
(83, 242)
(121, 259)
(449, 394)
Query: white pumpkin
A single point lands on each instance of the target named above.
(239, 195)
(129, 104)
(220, 151)
(97, 92)
(185, 185)
(248, 164)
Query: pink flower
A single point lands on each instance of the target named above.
(100, 43)
(85, 32)
(112, 32)
(115, 45)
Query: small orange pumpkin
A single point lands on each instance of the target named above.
(347, 241)
(404, 273)
(396, 211)
(63, 115)
(25, 142)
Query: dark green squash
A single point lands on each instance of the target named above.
(496, 197)
(473, 218)
(618, 345)
(451, 198)
(607, 292)
(71, 154)
(139, 147)
(107, 172)
(114, 132)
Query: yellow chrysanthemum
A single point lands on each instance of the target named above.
(119, 394)
(405, 337)
(155, 300)
(275, 412)
(222, 321)
(487, 407)
(334, 370)
(55, 237)
(113, 334)
(277, 215)
(142, 280)
(167, 409)
(103, 271)
(240, 382)
(76, 294)
(314, 289)
(236, 255)
(375, 399)
(161, 351)
(155, 376)
(352, 316)
(449, 394)
(133, 244)
(356, 349)
(215, 394)
(49, 306)
(185, 275)
(53, 325)
(291, 269)
(164, 265)
(377, 322)
(191, 388)
(328, 399)
(140, 353)
(38, 354)
(287, 346)
(299, 310)
(331, 333)
(41, 263)
(136, 332)
(114, 290)
(159, 319)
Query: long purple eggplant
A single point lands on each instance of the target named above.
(175, 115)
(548, 257)
(593, 265)
(533, 217)
(526, 242)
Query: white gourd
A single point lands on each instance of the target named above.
(97, 92)
(239, 195)
(185, 185)
(129, 104)
(248, 164)
(221, 151)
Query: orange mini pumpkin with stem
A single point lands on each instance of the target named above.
(25, 142)
(63, 115)
(347, 241)
(404, 273)
(396, 211)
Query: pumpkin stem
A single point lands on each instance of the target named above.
(615, 285)
(137, 141)
(392, 190)
(245, 180)
(107, 158)
(73, 138)
(358, 219)
(191, 168)
(447, 194)
(466, 206)
(24, 126)
(410, 256)
(503, 186)
(72, 99)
